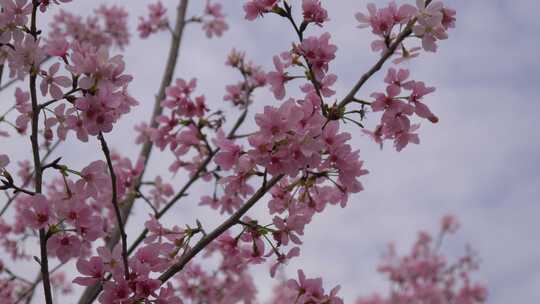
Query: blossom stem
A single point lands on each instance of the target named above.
(407, 31)
(300, 32)
(231, 221)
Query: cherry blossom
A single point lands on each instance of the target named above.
(256, 8)
(426, 276)
(39, 214)
(157, 20)
(298, 158)
(314, 12)
(52, 83)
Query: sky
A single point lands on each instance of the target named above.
(480, 162)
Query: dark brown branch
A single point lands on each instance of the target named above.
(118, 215)
(38, 176)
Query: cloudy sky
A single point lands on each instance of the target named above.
(481, 162)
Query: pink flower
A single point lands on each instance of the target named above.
(406, 136)
(24, 107)
(52, 83)
(75, 123)
(419, 90)
(229, 204)
(256, 8)
(387, 101)
(429, 26)
(449, 18)
(312, 291)
(275, 123)
(58, 46)
(289, 228)
(319, 52)
(314, 12)
(376, 135)
(283, 259)
(449, 224)
(94, 178)
(324, 86)
(167, 295)
(93, 271)
(235, 94)
(115, 292)
(115, 20)
(40, 213)
(112, 261)
(17, 11)
(144, 132)
(396, 78)
(277, 79)
(160, 192)
(216, 25)
(64, 246)
(27, 55)
(60, 120)
(149, 256)
(157, 20)
(146, 287)
(365, 20)
(229, 152)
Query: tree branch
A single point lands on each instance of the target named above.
(38, 176)
(231, 221)
(407, 31)
(91, 292)
(119, 220)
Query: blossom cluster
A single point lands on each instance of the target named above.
(424, 275)
(77, 211)
(395, 122)
(432, 21)
(212, 20)
(87, 85)
(299, 154)
(105, 28)
(181, 127)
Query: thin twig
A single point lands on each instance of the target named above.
(118, 215)
(44, 262)
(407, 31)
